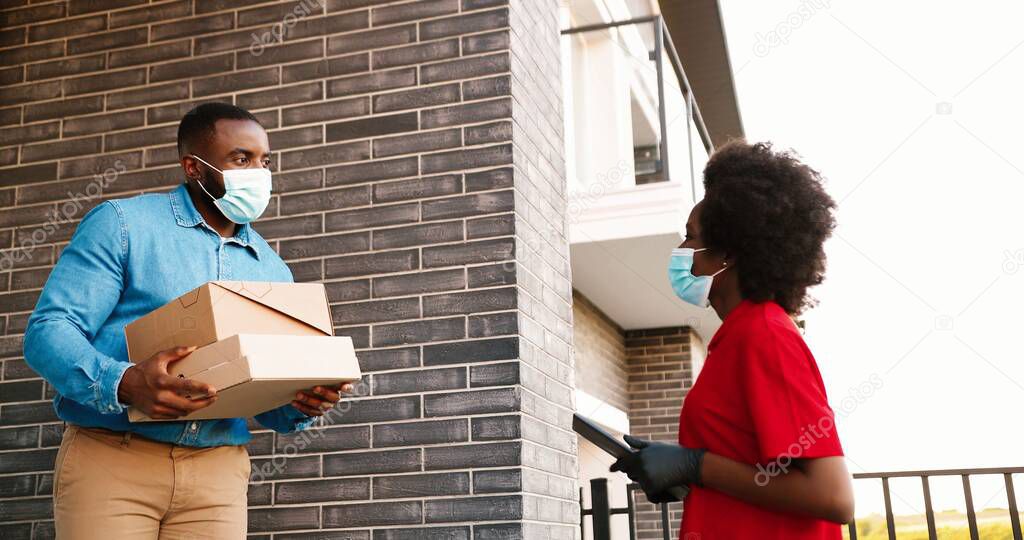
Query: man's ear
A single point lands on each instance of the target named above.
(191, 167)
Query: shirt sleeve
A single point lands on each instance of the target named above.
(285, 419)
(81, 292)
(786, 398)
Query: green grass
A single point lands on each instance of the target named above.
(993, 524)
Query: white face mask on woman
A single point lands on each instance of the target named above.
(246, 192)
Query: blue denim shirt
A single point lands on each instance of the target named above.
(127, 258)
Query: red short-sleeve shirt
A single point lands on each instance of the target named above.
(759, 400)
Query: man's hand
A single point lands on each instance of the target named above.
(659, 467)
(148, 387)
(317, 400)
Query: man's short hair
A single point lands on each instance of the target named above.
(199, 124)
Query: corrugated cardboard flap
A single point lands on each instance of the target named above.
(315, 314)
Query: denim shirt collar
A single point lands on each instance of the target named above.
(186, 215)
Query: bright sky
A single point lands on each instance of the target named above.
(912, 111)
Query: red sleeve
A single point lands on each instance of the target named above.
(786, 397)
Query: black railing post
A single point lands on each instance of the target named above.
(659, 43)
(929, 512)
(972, 520)
(665, 532)
(600, 511)
(1011, 499)
(965, 479)
(631, 510)
(890, 522)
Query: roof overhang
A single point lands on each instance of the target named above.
(620, 246)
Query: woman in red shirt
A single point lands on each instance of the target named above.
(758, 448)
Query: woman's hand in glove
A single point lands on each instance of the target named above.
(658, 467)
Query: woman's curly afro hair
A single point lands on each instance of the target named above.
(770, 213)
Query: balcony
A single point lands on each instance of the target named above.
(636, 144)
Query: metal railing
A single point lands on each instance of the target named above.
(964, 474)
(600, 512)
(663, 44)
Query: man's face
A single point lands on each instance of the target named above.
(236, 144)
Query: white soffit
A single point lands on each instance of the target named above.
(602, 412)
(628, 280)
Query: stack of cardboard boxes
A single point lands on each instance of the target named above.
(259, 344)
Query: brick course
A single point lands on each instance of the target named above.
(418, 173)
(660, 374)
(600, 354)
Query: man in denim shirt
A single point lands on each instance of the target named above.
(115, 479)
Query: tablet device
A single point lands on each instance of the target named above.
(599, 437)
(611, 444)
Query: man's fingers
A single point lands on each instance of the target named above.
(326, 393)
(313, 401)
(196, 389)
(192, 405)
(177, 353)
(185, 387)
(196, 404)
(306, 409)
(165, 412)
(181, 403)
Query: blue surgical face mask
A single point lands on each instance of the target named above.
(246, 192)
(690, 288)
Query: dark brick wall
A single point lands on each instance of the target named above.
(419, 174)
(660, 375)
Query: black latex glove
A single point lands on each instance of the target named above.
(659, 467)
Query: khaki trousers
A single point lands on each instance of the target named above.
(116, 485)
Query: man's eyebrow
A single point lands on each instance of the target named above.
(248, 153)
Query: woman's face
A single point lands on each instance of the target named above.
(704, 262)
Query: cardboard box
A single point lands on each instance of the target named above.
(254, 373)
(220, 309)
(259, 343)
